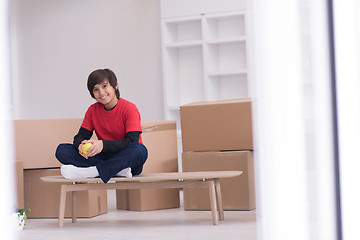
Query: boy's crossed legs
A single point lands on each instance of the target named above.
(126, 163)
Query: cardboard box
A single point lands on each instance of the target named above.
(216, 126)
(50, 133)
(43, 198)
(19, 184)
(238, 193)
(160, 138)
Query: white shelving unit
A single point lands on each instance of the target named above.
(225, 56)
(204, 53)
(204, 59)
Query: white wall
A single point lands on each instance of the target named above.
(56, 44)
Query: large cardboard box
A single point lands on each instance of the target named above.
(216, 126)
(50, 133)
(238, 193)
(43, 198)
(160, 138)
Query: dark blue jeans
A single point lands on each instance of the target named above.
(107, 164)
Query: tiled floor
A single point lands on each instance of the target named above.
(162, 224)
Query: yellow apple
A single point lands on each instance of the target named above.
(85, 147)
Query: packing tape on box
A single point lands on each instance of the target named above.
(159, 126)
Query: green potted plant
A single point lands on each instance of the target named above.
(21, 217)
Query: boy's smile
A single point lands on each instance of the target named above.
(104, 93)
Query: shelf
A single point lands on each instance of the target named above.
(183, 30)
(223, 26)
(227, 40)
(182, 20)
(225, 87)
(186, 44)
(227, 73)
(184, 75)
(226, 57)
(229, 15)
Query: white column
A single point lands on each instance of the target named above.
(7, 178)
(294, 160)
(347, 45)
(282, 200)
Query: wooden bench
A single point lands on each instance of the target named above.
(208, 180)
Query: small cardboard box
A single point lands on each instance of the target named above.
(238, 193)
(217, 126)
(44, 198)
(160, 138)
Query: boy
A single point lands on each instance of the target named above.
(119, 150)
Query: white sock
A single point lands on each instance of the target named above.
(70, 171)
(126, 172)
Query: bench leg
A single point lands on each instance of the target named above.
(219, 199)
(62, 205)
(213, 202)
(74, 205)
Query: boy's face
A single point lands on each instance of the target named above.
(104, 93)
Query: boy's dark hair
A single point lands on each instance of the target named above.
(100, 75)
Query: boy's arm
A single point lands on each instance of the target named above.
(117, 146)
(83, 134)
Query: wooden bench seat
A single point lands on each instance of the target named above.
(208, 180)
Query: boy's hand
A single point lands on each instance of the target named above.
(96, 148)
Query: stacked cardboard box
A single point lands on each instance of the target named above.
(39, 160)
(43, 198)
(160, 138)
(35, 143)
(218, 136)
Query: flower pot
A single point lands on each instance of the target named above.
(17, 221)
